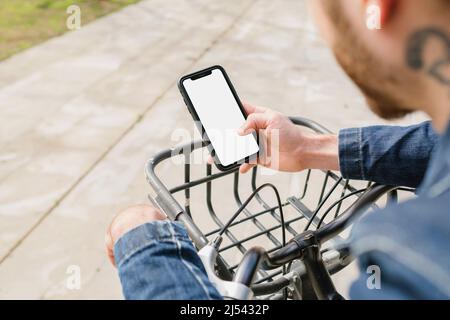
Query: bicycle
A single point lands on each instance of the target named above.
(298, 269)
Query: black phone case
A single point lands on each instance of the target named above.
(188, 102)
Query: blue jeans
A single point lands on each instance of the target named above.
(407, 242)
(158, 261)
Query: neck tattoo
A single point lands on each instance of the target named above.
(438, 68)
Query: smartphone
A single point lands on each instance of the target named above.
(218, 113)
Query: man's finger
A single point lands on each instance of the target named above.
(210, 160)
(246, 167)
(254, 122)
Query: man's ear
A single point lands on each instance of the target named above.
(378, 12)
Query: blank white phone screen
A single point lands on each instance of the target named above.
(221, 117)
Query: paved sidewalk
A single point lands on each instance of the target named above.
(81, 113)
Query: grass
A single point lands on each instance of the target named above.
(25, 23)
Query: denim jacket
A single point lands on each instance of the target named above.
(407, 243)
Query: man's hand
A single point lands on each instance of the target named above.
(288, 147)
(127, 220)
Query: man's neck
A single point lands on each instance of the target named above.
(428, 51)
(440, 114)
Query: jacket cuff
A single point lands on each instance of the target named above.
(146, 235)
(350, 154)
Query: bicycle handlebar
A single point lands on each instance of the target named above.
(257, 257)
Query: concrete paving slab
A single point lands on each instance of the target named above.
(80, 105)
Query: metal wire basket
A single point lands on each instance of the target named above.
(322, 197)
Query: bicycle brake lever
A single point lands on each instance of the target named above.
(228, 289)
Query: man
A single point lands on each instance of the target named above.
(402, 67)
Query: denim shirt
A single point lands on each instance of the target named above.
(388, 155)
(406, 243)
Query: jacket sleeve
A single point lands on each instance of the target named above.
(389, 155)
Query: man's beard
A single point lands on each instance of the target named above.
(379, 82)
(376, 86)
